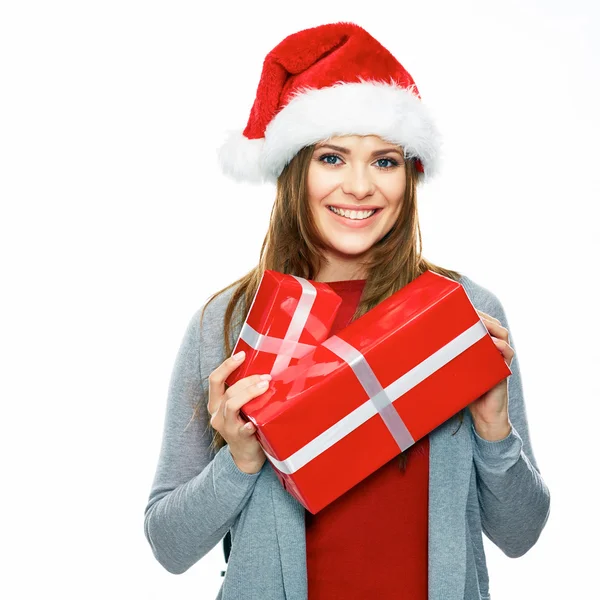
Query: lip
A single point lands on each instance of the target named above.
(354, 224)
(354, 207)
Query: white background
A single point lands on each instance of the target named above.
(117, 225)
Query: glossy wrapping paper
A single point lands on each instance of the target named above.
(289, 316)
(368, 393)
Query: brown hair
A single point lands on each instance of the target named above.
(292, 246)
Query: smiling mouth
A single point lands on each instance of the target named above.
(359, 215)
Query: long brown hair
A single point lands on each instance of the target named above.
(292, 246)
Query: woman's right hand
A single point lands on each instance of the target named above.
(224, 408)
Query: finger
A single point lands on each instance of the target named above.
(505, 349)
(489, 317)
(241, 385)
(253, 386)
(248, 429)
(495, 328)
(216, 380)
(245, 382)
(232, 406)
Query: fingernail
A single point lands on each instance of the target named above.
(262, 384)
(239, 355)
(248, 426)
(265, 377)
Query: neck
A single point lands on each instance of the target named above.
(338, 276)
(340, 271)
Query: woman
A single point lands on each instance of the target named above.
(339, 125)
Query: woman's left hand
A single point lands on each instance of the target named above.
(490, 411)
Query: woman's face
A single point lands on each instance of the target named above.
(355, 173)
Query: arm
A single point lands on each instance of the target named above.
(196, 494)
(513, 498)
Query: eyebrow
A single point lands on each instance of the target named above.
(343, 150)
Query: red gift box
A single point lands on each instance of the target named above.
(368, 393)
(289, 316)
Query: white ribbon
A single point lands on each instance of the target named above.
(380, 399)
(287, 347)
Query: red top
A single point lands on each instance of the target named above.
(371, 542)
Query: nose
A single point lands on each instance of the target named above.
(358, 182)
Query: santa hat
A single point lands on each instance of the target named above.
(326, 81)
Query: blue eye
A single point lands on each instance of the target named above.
(329, 162)
(392, 162)
(331, 159)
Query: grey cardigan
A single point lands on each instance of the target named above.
(198, 495)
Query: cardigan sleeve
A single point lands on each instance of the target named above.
(514, 499)
(196, 494)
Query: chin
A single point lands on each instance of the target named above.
(350, 250)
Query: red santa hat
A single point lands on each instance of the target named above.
(327, 81)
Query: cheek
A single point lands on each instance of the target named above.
(319, 185)
(394, 192)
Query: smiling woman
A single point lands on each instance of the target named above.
(355, 189)
(339, 125)
(306, 238)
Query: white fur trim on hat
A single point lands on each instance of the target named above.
(389, 111)
(241, 158)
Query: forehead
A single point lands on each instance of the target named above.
(359, 142)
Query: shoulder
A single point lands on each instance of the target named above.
(483, 298)
(203, 337)
(210, 316)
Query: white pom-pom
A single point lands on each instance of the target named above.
(241, 158)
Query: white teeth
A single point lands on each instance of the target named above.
(352, 214)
